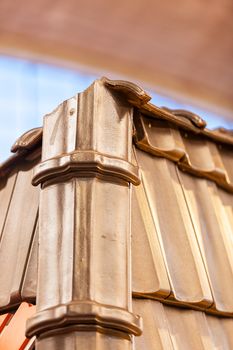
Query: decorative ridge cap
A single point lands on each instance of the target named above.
(28, 140)
(139, 98)
(22, 147)
(194, 118)
(134, 92)
(224, 131)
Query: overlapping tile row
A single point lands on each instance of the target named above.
(184, 119)
(18, 248)
(170, 328)
(190, 216)
(193, 153)
(174, 231)
(214, 235)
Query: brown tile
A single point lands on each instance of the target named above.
(6, 190)
(194, 153)
(188, 329)
(175, 230)
(148, 267)
(156, 335)
(221, 332)
(16, 237)
(29, 285)
(214, 234)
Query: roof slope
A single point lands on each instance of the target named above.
(182, 229)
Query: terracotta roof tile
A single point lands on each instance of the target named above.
(4, 319)
(13, 336)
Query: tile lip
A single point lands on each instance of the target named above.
(205, 306)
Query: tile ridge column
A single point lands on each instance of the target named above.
(84, 272)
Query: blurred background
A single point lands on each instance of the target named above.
(181, 52)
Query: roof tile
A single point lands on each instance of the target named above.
(175, 230)
(148, 267)
(174, 328)
(17, 236)
(214, 235)
(192, 153)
